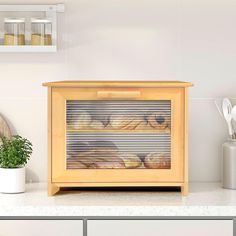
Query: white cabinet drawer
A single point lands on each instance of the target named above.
(160, 227)
(41, 227)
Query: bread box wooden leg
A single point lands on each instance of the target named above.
(184, 189)
(53, 189)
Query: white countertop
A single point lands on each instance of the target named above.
(205, 199)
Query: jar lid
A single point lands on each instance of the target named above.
(14, 20)
(41, 20)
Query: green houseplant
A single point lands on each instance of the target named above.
(14, 155)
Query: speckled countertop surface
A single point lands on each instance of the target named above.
(205, 199)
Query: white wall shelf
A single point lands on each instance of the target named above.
(47, 8)
(28, 48)
(48, 11)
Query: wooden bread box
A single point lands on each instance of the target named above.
(117, 133)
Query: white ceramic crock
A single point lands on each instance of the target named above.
(12, 180)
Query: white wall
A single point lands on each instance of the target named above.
(191, 40)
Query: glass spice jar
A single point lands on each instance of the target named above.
(14, 31)
(41, 29)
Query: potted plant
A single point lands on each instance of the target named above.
(14, 154)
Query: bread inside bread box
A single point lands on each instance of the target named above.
(118, 134)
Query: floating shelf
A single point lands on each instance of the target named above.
(49, 11)
(28, 48)
(24, 7)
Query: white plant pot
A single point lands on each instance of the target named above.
(12, 180)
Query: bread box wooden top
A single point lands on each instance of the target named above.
(94, 83)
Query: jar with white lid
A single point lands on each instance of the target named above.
(14, 31)
(41, 29)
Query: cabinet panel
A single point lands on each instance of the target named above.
(67, 105)
(160, 227)
(41, 227)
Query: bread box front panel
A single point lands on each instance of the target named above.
(111, 136)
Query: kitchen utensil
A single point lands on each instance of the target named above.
(233, 112)
(218, 103)
(227, 108)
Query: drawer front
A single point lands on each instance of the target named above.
(160, 227)
(41, 227)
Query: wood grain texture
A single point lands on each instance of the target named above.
(113, 84)
(5, 130)
(56, 186)
(121, 184)
(59, 176)
(51, 188)
(185, 188)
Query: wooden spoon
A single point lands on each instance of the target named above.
(4, 129)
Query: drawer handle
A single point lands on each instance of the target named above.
(119, 94)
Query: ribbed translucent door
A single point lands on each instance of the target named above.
(118, 134)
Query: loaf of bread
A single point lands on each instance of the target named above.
(79, 120)
(111, 162)
(142, 126)
(117, 121)
(157, 161)
(130, 160)
(101, 115)
(100, 160)
(159, 120)
(73, 148)
(94, 154)
(125, 122)
(97, 124)
(74, 163)
(107, 159)
(102, 146)
(132, 124)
